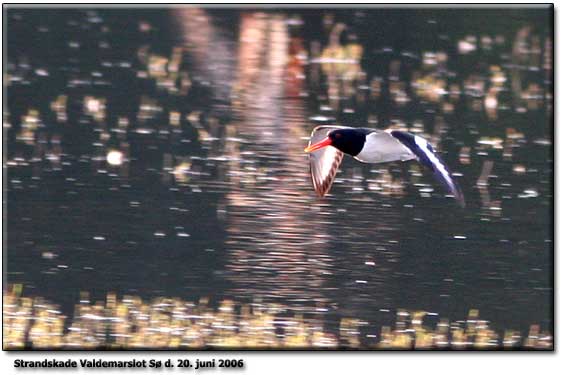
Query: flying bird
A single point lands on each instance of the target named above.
(328, 144)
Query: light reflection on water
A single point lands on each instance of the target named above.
(196, 183)
(171, 323)
(273, 250)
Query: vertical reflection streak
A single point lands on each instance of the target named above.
(274, 251)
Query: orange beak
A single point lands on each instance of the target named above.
(323, 143)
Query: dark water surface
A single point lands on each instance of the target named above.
(160, 153)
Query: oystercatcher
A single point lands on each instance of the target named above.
(328, 144)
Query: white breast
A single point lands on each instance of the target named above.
(381, 147)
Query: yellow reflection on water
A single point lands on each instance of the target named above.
(172, 323)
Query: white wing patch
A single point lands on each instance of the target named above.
(425, 148)
(440, 169)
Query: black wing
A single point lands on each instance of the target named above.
(427, 156)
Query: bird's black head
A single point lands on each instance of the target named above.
(349, 141)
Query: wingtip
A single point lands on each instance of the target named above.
(459, 196)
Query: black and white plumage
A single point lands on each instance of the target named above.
(328, 144)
